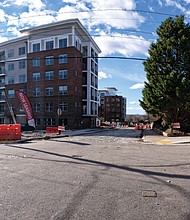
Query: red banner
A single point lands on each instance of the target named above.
(26, 107)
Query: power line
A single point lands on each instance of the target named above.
(78, 57)
(94, 10)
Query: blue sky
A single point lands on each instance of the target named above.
(121, 28)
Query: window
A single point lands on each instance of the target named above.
(63, 90)
(49, 75)
(36, 47)
(2, 108)
(63, 58)
(49, 45)
(49, 107)
(50, 60)
(2, 95)
(22, 78)
(49, 121)
(63, 74)
(38, 121)
(36, 107)
(11, 94)
(11, 80)
(49, 91)
(10, 53)
(21, 50)
(10, 66)
(36, 77)
(36, 91)
(35, 62)
(63, 106)
(62, 43)
(22, 90)
(22, 64)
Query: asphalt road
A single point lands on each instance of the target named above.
(109, 175)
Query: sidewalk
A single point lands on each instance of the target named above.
(153, 137)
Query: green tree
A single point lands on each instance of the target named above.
(167, 90)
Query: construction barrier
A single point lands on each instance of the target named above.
(142, 127)
(10, 132)
(52, 130)
(61, 128)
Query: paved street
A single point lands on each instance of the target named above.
(105, 175)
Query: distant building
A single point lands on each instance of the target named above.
(56, 66)
(112, 108)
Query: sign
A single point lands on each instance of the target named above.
(59, 111)
(176, 125)
(26, 107)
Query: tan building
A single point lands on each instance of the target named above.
(56, 65)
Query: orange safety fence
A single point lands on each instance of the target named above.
(142, 127)
(10, 132)
(52, 130)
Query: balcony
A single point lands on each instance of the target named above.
(2, 71)
(2, 85)
(2, 58)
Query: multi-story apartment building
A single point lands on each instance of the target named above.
(112, 108)
(56, 66)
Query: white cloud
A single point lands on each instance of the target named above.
(133, 77)
(70, 1)
(3, 39)
(134, 103)
(137, 86)
(187, 1)
(14, 31)
(31, 4)
(103, 75)
(117, 13)
(126, 45)
(176, 4)
(34, 18)
(160, 3)
(2, 16)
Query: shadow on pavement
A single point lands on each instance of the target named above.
(130, 169)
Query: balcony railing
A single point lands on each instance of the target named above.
(2, 57)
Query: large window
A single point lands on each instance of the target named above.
(10, 66)
(22, 64)
(36, 107)
(36, 77)
(35, 62)
(50, 60)
(2, 108)
(63, 74)
(63, 43)
(49, 45)
(49, 121)
(11, 80)
(10, 53)
(63, 58)
(21, 51)
(22, 78)
(36, 91)
(49, 91)
(11, 94)
(63, 90)
(49, 75)
(36, 47)
(49, 107)
(63, 106)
